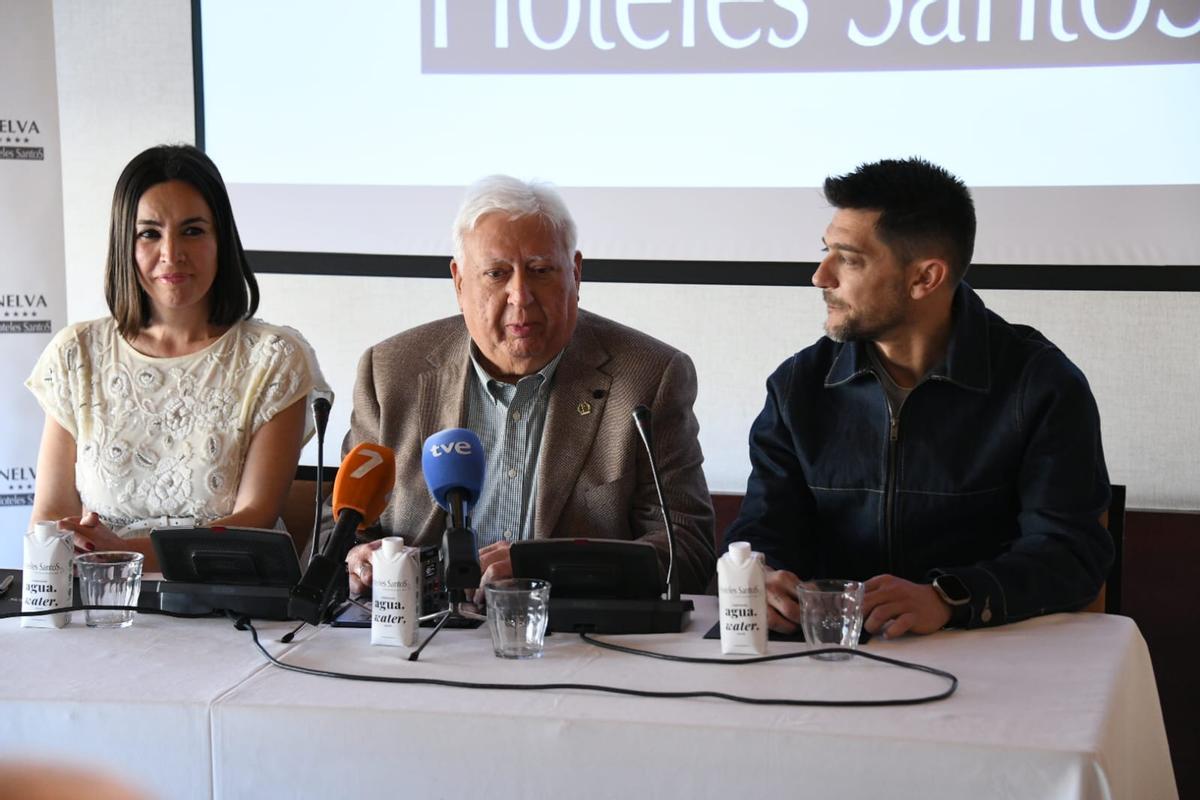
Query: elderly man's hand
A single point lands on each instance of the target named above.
(893, 607)
(358, 566)
(495, 565)
(783, 600)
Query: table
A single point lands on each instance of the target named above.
(1059, 707)
(136, 701)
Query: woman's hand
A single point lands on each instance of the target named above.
(91, 534)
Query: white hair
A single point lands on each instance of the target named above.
(515, 198)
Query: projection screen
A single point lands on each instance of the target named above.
(694, 134)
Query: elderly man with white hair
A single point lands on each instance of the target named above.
(548, 388)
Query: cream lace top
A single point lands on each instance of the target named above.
(167, 436)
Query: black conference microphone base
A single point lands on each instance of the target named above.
(258, 602)
(325, 581)
(317, 590)
(600, 615)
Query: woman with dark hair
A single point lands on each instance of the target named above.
(180, 408)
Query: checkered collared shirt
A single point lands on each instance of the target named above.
(509, 420)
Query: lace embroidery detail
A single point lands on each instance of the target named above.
(159, 437)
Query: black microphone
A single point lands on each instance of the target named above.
(360, 495)
(642, 421)
(320, 412)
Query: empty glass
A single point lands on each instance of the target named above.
(109, 578)
(831, 615)
(517, 612)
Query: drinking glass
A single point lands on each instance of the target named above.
(831, 615)
(109, 578)
(517, 612)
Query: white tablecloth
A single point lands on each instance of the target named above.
(1059, 707)
(136, 701)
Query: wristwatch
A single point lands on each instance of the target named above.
(955, 593)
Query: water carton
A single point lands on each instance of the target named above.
(46, 577)
(395, 593)
(743, 601)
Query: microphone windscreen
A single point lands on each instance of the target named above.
(364, 482)
(453, 459)
(320, 409)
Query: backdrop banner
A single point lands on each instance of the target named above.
(32, 278)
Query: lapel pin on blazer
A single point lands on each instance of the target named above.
(584, 408)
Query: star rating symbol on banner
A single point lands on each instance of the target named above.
(17, 140)
(21, 314)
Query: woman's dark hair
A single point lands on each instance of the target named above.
(234, 293)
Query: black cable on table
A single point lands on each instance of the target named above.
(45, 611)
(244, 623)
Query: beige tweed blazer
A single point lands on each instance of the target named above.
(593, 476)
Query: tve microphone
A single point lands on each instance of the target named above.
(454, 463)
(360, 494)
(641, 419)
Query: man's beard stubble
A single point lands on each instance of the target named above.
(854, 328)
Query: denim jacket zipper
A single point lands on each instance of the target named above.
(889, 513)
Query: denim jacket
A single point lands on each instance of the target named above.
(992, 471)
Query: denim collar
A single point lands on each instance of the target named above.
(967, 363)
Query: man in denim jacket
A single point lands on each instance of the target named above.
(925, 445)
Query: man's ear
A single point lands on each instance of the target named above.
(457, 277)
(930, 275)
(578, 270)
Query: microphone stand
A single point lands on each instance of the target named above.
(320, 412)
(457, 609)
(320, 409)
(460, 570)
(641, 421)
(666, 614)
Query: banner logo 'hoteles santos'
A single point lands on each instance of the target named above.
(23, 312)
(18, 140)
(683, 36)
(16, 485)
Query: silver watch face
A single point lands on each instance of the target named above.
(952, 590)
